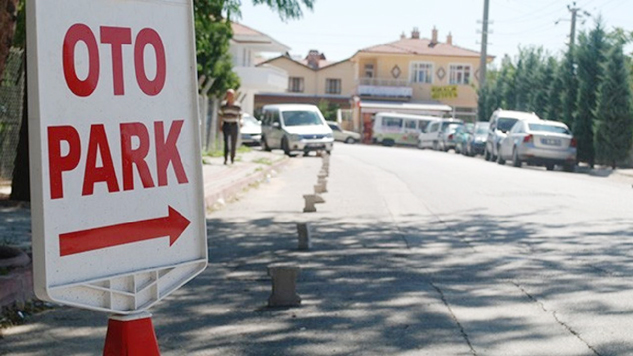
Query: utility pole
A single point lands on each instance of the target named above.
(574, 14)
(483, 60)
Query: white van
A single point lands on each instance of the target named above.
(295, 127)
(394, 128)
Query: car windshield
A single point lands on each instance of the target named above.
(334, 127)
(452, 124)
(549, 128)
(301, 118)
(481, 130)
(505, 124)
(250, 121)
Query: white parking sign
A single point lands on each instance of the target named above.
(116, 177)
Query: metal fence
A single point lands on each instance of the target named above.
(11, 95)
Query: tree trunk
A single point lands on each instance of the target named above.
(20, 186)
(8, 20)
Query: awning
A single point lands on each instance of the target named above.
(407, 107)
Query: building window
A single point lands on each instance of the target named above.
(295, 84)
(422, 72)
(459, 74)
(332, 86)
(369, 71)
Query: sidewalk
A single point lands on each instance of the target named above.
(222, 183)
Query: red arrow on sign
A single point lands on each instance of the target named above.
(98, 238)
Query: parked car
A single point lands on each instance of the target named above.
(436, 135)
(476, 143)
(501, 122)
(251, 130)
(295, 127)
(392, 128)
(343, 135)
(448, 133)
(544, 143)
(462, 135)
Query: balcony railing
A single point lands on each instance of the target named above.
(387, 88)
(381, 82)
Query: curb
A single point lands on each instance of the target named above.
(230, 191)
(17, 287)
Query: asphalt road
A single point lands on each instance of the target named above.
(414, 253)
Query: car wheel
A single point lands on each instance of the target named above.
(549, 167)
(350, 140)
(285, 146)
(500, 160)
(515, 159)
(265, 144)
(486, 154)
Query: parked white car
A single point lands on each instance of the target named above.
(543, 143)
(433, 136)
(501, 122)
(295, 127)
(343, 135)
(251, 130)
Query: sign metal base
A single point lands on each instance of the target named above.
(131, 335)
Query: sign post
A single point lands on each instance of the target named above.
(116, 177)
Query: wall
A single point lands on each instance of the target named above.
(467, 95)
(343, 71)
(295, 69)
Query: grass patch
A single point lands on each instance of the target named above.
(220, 152)
(263, 160)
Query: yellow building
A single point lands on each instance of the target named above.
(417, 71)
(312, 80)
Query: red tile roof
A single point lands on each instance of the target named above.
(239, 29)
(420, 47)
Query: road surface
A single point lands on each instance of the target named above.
(414, 253)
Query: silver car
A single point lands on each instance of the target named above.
(343, 135)
(501, 122)
(295, 127)
(543, 143)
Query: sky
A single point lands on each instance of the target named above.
(339, 28)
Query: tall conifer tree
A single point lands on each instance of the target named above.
(590, 57)
(614, 126)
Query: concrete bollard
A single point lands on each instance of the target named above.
(284, 281)
(322, 174)
(320, 188)
(311, 200)
(303, 232)
(323, 182)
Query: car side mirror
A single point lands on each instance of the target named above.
(276, 125)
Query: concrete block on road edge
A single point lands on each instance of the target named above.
(284, 284)
(320, 188)
(304, 236)
(311, 200)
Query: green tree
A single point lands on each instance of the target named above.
(590, 56)
(554, 99)
(504, 87)
(213, 35)
(614, 127)
(542, 79)
(328, 109)
(569, 89)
